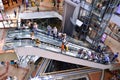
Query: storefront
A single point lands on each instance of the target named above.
(114, 31)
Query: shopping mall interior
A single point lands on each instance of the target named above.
(59, 39)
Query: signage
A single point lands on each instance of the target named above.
(78, 22)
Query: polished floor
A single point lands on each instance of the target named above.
(9, 70)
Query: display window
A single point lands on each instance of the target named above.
(115, 31)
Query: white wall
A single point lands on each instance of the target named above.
(115, 19)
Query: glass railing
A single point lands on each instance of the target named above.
(42, 35)
(43, 6)
(21, 38)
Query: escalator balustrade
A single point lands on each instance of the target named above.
(47, 42)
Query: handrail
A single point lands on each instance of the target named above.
(43, 66)
(57, 39)
(75, 71)
(47, 14)
(65, 71)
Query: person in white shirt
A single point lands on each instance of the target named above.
(35, 27)
(49, 30)
(54, 32)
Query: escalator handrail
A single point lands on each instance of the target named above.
(79, 70)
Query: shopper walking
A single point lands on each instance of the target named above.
(54, 2)
(58, 4)
(115, 56)
(15, 13)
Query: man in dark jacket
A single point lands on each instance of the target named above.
(115, 56)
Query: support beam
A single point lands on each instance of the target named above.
(102, 75)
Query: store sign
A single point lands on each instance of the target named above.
(78, 22)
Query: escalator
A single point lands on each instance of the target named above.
(62, 70)
(69, 57)
(57, 70)
(43, 66)
(59, 66)
(72, 74)
(24, 46)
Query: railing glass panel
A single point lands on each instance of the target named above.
(22, 38)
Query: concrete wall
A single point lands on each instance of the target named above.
(115, 19)
(68, 12)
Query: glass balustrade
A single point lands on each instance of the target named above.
(20, 38)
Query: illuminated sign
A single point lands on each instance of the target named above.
(78, 22)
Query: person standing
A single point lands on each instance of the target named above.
(49, 30)
(35, 27)
(54, 3)
(106, 60)
(9, 78)
(23, 1)
(15, 13)
(115, 56)
(19, 8)
(66, 46)
(32, 36)
(58, 4)
(54, 32)
(15, 1)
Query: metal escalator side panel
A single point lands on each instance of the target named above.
(60, 57)
(43, 66)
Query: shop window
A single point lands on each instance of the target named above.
(83, 14)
